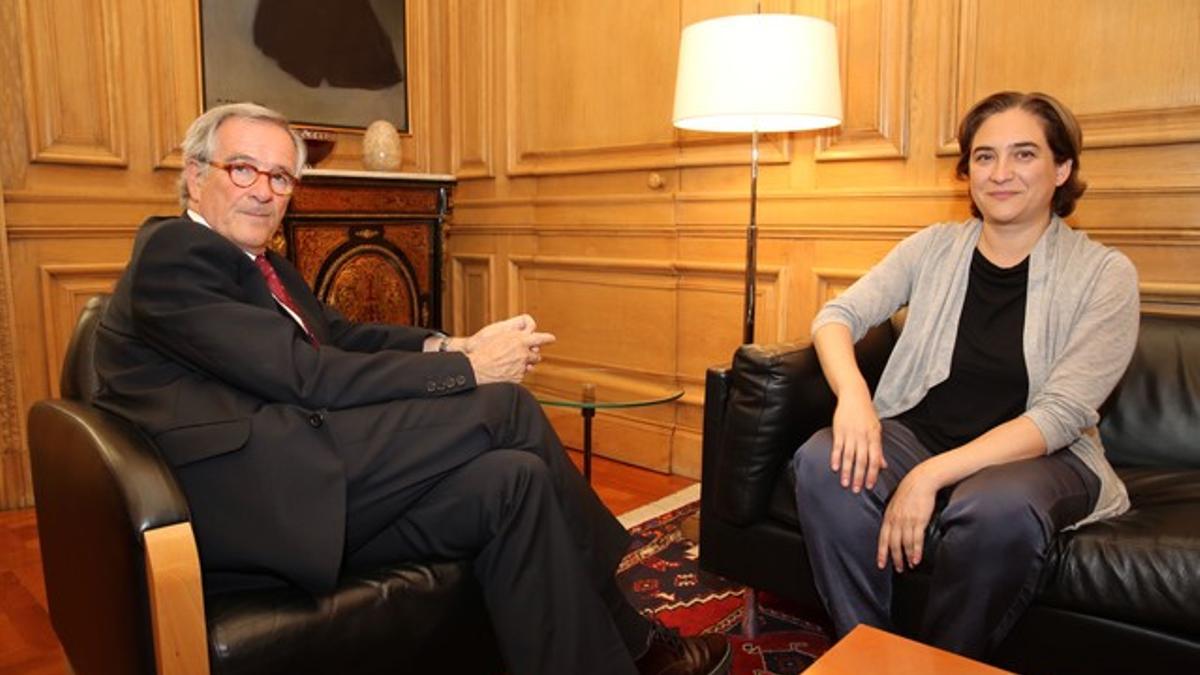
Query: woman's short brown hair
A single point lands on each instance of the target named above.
(1059, 125)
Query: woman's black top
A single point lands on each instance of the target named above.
(988, 384)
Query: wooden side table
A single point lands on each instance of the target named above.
(370, 243)
(870, 650)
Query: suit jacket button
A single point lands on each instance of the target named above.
(315, 420)
(449, 382)
(461, 380)
(430, 386)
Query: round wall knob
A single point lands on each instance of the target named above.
(655, 180)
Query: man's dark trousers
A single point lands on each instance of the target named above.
(545, 547)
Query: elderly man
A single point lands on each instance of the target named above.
(309, 446)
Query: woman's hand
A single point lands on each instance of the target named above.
(902, 536)
(857, 451)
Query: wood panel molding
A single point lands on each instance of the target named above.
(472, 302)
(1118, 127)
(881, 130)
(829, 282)
(75, 108)
(73, 232)
(471, 88)
(591, 265)
(1170, 298)
(64, 289)
(15, 488)
(174, 76)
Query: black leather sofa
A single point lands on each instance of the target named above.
(1121, 595)
(103, 495)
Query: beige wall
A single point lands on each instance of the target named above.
(578, 201)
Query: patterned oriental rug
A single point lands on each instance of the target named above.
(661, 575)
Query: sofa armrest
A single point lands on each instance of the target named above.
(176, 600)
(716, 394)
(776, 397)
(99, 487)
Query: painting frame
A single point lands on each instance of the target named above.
(292, 56)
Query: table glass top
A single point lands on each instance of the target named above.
(598, 388)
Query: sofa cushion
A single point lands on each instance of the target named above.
(1140, 567)
(407, 618)
(782, 506)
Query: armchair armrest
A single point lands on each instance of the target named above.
(104, 497)
(771, 399)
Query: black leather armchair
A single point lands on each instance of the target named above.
(123, 578)
(1121, 595)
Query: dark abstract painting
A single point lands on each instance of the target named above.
(322, 63)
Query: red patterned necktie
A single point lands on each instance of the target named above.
(281, 295)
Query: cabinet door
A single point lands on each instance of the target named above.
(372, 271)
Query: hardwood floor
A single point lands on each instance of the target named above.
(27, 642)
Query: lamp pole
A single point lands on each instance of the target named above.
(751, 245)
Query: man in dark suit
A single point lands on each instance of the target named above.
(308, 445)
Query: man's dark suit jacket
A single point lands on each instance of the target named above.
(195, 351)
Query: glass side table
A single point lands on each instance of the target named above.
(596, 393)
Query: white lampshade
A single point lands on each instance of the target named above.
(758, 72)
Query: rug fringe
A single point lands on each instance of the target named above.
(655, 509)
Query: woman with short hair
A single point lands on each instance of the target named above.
(981, 433)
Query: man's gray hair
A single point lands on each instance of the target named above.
(201, 140)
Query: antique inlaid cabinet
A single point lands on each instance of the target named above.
(371, 243)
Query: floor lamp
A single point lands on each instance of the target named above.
(757, 73)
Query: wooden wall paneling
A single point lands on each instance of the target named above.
(874, 43)
(16, 489)
(47, 301)
(955, 49)
(615, 313)
(65, 289)
(824, 214)
(596, 305)
(471, 102)
(1148, 51)
(417, 146)
(75, 108)
(623, 435)
(174, 76)
(590, 86)
(14, 146)
(711, 296)
(471, 298)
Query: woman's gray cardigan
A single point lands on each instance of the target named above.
(1081, 325)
